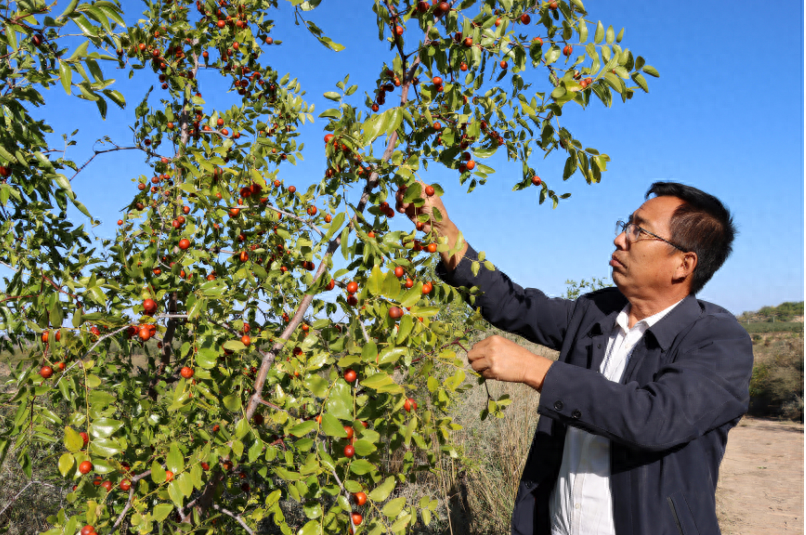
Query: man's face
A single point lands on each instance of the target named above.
(645, 268)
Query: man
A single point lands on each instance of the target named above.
(649, 380)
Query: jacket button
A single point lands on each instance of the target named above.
(576, 414)
(558, 405)
(599, 346)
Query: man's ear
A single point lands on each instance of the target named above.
(685, 269)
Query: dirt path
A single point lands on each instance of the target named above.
(760, 488)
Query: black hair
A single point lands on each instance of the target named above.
(701, 225)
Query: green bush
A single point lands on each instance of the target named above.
(776, 386)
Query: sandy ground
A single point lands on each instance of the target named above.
(760, 488)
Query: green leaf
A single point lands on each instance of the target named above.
(317, 385)
(105, 447)
(393, 508)
(198, 306)
(56, 317)
(404, 328)
(331, 44)
(116, 97)
(242, 428)
(185, 484)
(72, 440)
(175, 493)
(303, 428)
(237, 448)
(332, 95)
(161, 511)
(389, 355)
(364, 447)
(640, 80)
(340, 401)
(332, 426)
(600, 33)
(345, 251)
(377, 381)
(552, 55)
(312, 527)
(335, 225)
(255, 450)
(100, 398)
(104, 427)
(610, 35)
(234, 345)
(66, 75)
(66, 463)
(375, 281)
(391, 285)
(64, 183)
(374, 126)
(361, 467)
(232, 402)
(157, 473)
(11, 36)
(196, 475)
(175, 460)
(650, 70)
(207, 358)
(382, 491)
(369, 353)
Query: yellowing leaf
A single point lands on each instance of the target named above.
(72, 440)
(66, 463)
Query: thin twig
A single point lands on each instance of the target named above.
(236, 517)
(346, 494)
(80, 360)
(134, 480)
(32, 482)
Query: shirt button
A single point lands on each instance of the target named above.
(576, 414)
(576, 506)
(558, 405)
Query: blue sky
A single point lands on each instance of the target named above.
(725, 116)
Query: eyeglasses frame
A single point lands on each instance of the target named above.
(623, 226)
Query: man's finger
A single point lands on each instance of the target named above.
(480, 365)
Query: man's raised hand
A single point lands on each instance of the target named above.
(430, 202)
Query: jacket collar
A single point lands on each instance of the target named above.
(664, 331)
(675, 321)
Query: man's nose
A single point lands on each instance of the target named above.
(621, 241)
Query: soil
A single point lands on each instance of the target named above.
(760, 488)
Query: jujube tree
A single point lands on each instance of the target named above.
(275, 375)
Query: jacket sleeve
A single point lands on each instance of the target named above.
(526, 312)
(705, 385)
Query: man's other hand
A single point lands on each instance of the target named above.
(497, 358)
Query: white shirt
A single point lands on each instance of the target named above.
(581, 503)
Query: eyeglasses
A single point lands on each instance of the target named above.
(636, 233)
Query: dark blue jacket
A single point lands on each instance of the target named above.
(685, 386)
